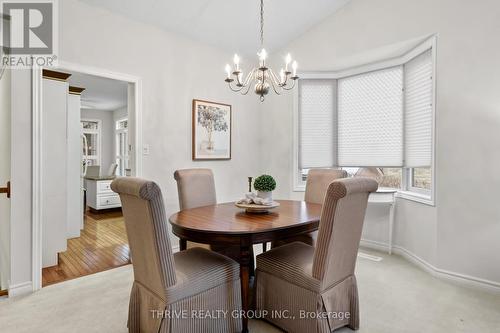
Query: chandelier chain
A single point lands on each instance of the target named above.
(262, 23)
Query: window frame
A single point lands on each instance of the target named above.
(407, 191)
(125, 158)
(97, 132)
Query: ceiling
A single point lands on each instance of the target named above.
(100, 93)
(229, 24)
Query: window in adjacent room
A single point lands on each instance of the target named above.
(91, 129)
(121, 146)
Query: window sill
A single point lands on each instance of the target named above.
(407, 195)
(299, 188)
(417, 197)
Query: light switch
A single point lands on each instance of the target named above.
(145, 150)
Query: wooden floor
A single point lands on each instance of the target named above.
(102, 245)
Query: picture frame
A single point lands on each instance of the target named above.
(211, 130)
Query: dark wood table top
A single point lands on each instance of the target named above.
(227, 225)
(228, 219)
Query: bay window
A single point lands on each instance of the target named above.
(379, 117)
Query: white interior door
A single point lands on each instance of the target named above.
(4, 179)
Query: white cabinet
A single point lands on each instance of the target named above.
(99, 194)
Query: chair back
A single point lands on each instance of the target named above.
(196, 188)
(370, 172)
(93, 171)
(340, 229)
(147, 232)
(318, 181)
(112, 169)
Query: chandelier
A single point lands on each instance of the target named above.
(262, 78)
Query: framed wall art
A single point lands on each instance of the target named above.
(211, 130)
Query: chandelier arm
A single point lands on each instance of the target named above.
(293, 85)
(276, 87)
(275, 79)
(238, 82)
(244, 92)
(278, 92)
(234, 89)
(287, 78)
(284, 82)
(249, 77)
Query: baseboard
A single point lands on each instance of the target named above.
(374, 245)
(21, 289)
(454, 277)
(457, 278)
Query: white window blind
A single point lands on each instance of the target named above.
(370, 119)
(418, 111)
(317, 115)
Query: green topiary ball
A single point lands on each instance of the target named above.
(264, 183)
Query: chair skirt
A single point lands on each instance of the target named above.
(296, 309)
(148, 313)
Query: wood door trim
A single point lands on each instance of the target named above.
(54, 75)
(75, 90)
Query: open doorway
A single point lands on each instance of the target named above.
(89, 134)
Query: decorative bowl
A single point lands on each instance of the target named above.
(256, 209)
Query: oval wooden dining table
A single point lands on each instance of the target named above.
(227, 225)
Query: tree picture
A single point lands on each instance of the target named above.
(212, 118)
(211, 130)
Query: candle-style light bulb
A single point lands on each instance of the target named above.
(294, 67)
(262, 56)
(236, 60)
(228, 71)
(282, 76)
(288, 60)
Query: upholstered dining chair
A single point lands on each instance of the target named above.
(298, 277)
(111, 170)
(370, 172)
(167, 283)
(196, 188)
(317, 183)
(93, 171)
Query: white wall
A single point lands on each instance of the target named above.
(107, 134)
(174, 70)
(120, 113)
(461, 233)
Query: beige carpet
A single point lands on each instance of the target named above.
(395, 297)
